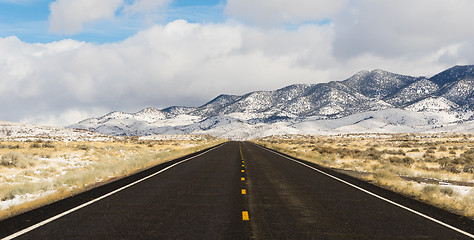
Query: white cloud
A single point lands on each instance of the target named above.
(69, 16)
(269, 12)
(139, 6)
(176, 64)
(404, 27)
(184, 63)
(464, 53)
(62, 118)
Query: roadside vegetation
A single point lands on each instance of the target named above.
(437, 169)
(38, 172)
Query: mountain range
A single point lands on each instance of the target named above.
(369, 101)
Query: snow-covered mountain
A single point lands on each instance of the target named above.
(376, 101)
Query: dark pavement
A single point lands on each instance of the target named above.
(209, 196)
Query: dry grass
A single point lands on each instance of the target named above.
(37, 173)
(406, 163)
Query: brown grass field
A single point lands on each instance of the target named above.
(35, 173)
(435, 168)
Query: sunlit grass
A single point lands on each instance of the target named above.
(391, 161)
(49, 171)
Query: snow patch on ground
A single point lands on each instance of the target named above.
(24, 198)
(10, 131)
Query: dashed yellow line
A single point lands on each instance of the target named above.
(245, 216)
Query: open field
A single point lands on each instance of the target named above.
(34, 173)
(434, 168)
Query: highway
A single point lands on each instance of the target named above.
(237, 190)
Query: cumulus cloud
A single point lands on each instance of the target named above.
(179, 63)
(270, 12)
(399, 28)
(68, 116)
(140, 6)
(69, 16)
(182, 63)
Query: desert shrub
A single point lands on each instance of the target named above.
(448, 164)
(373, 154)
(443, 149)
(430, 151)
(35, 145)
(398, 160)
(429, 189)
(447, 191)
(466, 158)
(395, 160)
(429, 157)
(82, 147)
(444, 161)
(324, 150)
(385, 176)
(451, 168)
(394, 152)
(48, 145)
(469, 151)
(468, 168)
(404, 145)
(453, 152)
(408, 160)
(42, 144)
(16, 146)
(343, 152)
(14, 159)
(414, 150)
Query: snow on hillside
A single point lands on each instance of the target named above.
(369, 101)
(432, 104)
(10, 131)
(384, 121)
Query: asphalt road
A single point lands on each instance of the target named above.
(238, 191)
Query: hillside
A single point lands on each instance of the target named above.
(425, 104)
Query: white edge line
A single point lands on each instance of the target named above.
(19, 233)
(375, 195)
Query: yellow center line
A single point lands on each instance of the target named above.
(245, 216)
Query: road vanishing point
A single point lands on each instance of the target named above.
(237, 190)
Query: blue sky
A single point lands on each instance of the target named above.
(62, 61)
(28, 20)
